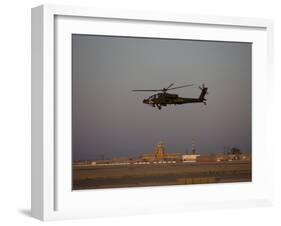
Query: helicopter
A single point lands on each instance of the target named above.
(163, 98)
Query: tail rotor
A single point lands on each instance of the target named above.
(204, 91)
(203, 87)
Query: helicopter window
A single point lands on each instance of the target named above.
(152, 97)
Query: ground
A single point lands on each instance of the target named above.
(115, 176)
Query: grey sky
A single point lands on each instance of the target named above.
(109, 119)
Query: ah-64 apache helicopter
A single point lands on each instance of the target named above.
(163, 99)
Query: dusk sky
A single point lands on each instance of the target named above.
(109, 120)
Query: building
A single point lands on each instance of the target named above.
(190, 158)
(161, 155)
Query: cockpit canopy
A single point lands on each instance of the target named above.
(163, 95)
(154, 96)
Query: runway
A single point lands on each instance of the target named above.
(132, 175)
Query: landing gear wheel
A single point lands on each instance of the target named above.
(159, 107)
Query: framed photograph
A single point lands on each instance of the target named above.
(136, 112)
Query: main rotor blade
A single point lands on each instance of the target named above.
(180, 87)
(170, 85)
(146, 90)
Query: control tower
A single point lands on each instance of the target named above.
(160, 151)
(160, 155)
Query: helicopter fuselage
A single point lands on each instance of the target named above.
(164, 99)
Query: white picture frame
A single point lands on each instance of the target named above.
(52, 197)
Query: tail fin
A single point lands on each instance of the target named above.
(203, 92)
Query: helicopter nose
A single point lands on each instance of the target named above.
(145, 101)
